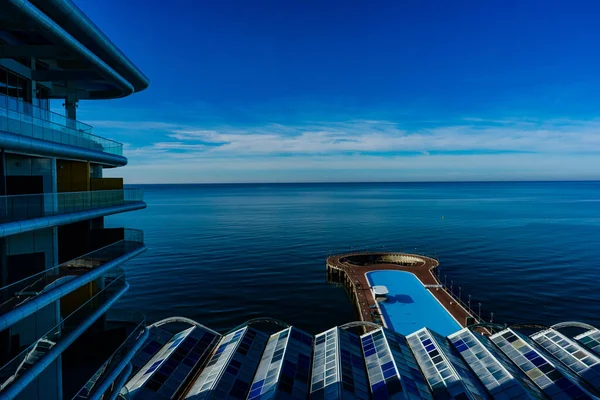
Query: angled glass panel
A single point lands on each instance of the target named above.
(447, 374)
(392, 368)
(284, 368)
(148, 370)
(591, 340)
(157, 338)
(325, 369)
(354, 381)
(232, 366)
(555, 381)
(185, 353)
(579, 360)
(499, 376)
(338, 366)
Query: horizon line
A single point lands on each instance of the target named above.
(363, 182)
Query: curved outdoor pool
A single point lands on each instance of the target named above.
(410, 306)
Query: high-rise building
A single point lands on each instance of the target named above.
(60, 267)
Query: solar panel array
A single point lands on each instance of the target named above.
(284, 369)
(467, 377)
(229, 372)
(171, 376)
(325, 369)
(157, 338)
(382, 364)
(446, 374)
(571, 354)
(338, 367)
(147, 371)
(392, 368)
(215, 366)
(500, 379)
(546, 375)
(355, 384)
(591, 340)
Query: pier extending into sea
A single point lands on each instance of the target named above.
(351, 271)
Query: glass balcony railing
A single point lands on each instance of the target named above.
(27, 206)
(125, 349)
(18, 293)
(63, 334)
(28, 120)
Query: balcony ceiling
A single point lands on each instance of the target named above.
(75, 52)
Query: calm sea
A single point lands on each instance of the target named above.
(222, 254)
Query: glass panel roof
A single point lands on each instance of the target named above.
(500, 379)
(392, 369)
(285, 366)
(146, 372)
(591, 340)
(446, 373)
(544, 373)
(575, 357)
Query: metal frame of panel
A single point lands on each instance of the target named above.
(284, 369)
(146, 372)
(570, 353)
(392, 368)
(501, 379)
(554, 380)
(232, 366)
(590, 339)
(447, 374)
(338, 366)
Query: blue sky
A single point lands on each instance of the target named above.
(284, 91)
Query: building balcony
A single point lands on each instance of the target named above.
(34, 127)
(18, 373)
(24, 213)
(23, 298)
(117, 367)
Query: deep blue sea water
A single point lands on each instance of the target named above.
(222, 254)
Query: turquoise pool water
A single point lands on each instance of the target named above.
(410, 306)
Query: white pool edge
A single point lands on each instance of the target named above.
(385, 325)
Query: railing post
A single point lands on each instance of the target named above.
(469, 304)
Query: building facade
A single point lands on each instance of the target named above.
(60, 267)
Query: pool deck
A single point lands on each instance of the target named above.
(343, 268)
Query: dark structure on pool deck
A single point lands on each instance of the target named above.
(256, 361)
(350, 270)
(60, 267)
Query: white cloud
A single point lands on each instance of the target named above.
(386, 137)
(366, 150)
(133, 125)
